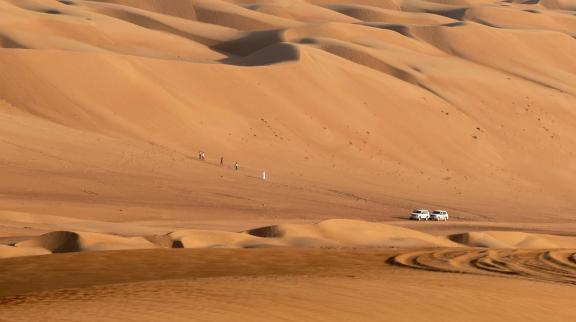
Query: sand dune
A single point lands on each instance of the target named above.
(329, 233)
(207, 34)
(334, 98)
(67, 241)
(220, 239)
(342, 232)
(391, 16)
(359, 109)
(334, 233)
(509, 239)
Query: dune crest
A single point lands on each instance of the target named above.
(332, 233)
(328, 233)
(220, 239)
(353, 233)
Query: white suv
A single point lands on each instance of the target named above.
(439, 215)
(420, 214)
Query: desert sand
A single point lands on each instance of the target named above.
(337, 270)
(357, 110)
(277, 285)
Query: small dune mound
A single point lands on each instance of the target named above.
(56, 242)
(507, 239)
(220, 239)
(354, 233)
(10, 251)
(67, 241)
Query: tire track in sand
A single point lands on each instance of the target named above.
(552, 265)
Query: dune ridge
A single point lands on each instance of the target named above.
(333, 233)
(342, 232)
(330, 233)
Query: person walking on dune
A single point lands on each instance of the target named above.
(221, 161)
(236, 166)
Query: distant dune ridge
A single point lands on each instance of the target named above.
(356, 109)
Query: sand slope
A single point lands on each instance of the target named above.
(369, 107)
(11, 251)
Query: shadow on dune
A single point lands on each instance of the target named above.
(59, 242)
(8, 42)
(249, 43)
(274, 54)
(266, 232)
(456, 13)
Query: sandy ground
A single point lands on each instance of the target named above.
(358, 109)
(265, 285)
(336, 270)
